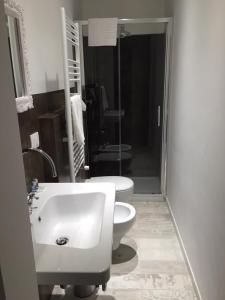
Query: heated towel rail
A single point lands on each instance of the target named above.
(72, 85)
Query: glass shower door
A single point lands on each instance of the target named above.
(124, 87)
(142, 68)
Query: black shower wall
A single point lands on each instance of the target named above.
(101, 68)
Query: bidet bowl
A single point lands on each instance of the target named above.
(124, 218)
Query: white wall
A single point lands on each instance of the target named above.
(122, 9)
(43, 37)
(196, 173)
(16, 248)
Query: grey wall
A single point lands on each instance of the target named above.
(16, 250)
(169, 7)
(196, 173)
(122, 9)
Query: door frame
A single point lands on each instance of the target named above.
(17, 266)
(169, 29)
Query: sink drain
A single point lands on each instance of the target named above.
(62, 241)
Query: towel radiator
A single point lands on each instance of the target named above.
(72, 85)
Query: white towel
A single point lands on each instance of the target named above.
(102, 32)
(77, 118)
(24, 103)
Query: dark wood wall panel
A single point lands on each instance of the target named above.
(29, 122)
(51, 141)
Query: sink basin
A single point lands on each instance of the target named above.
(76, 218)
(72, 232)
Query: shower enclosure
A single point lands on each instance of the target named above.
(126, 94)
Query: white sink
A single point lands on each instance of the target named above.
(78, 218)
(81, 216)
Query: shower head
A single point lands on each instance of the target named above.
(123, 32)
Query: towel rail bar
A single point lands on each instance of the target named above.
(71, 36)
(73, 61)
(74, 73)
(74, 79)
(72, 42)
(69, 21)
(75, 68)
(72, 28)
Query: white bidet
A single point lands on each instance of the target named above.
(124, 218)
(124, 213)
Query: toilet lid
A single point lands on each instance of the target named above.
(121, 183)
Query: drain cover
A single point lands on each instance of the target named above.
(62, 241)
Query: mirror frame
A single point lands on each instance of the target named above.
(15, 10)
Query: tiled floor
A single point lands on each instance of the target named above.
(149, 264)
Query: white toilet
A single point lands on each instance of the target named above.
(125, 213)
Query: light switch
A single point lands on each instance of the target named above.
(34, 140)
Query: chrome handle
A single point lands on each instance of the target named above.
(159, 116)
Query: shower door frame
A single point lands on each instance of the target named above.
(169, 29)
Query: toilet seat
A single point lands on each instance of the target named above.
(121, 183)
(124, 186)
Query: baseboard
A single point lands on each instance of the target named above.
(148, 197)
(195, 285)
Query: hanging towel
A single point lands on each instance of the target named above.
(83, 104)
(77, 118)
(24, 103)
(102, 32)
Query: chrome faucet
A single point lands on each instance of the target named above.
(46, 157)
(31, 196)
